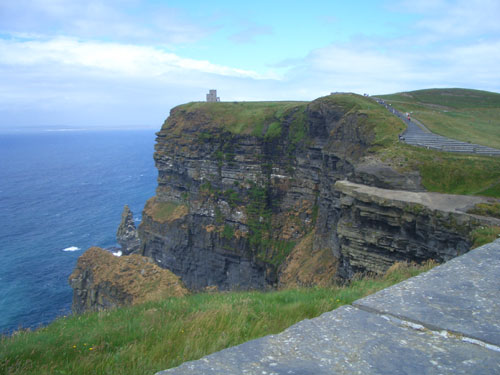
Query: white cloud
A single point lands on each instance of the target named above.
(368, 68)
(117, 20)
(78, 83)
(98, 57)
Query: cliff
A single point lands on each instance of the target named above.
(377, 227)
(102, 281)
(247, 196)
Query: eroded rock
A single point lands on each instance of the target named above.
(102, 281)
(126, 234)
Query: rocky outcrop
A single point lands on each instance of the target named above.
(126, 234)
(102, 281)
(378, 226)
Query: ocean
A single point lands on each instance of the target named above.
(61, 193)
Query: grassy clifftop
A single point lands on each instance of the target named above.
(467, 115)
(252, 118)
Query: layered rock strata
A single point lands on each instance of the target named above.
(378, 226)
(102, 281)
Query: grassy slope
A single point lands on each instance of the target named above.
(441, 172)
(150, 337)
(467, 115)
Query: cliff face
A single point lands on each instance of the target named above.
(247, 197)
(377, 227)
(101, 281)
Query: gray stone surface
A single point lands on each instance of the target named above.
(348, 341)
(379, 336)
(460, 296)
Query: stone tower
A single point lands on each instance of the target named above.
(212, 96)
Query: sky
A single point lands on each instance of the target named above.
(126, 63)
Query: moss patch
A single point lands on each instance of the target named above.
(165, 212)
(486, 209)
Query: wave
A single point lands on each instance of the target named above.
(117, 254)
(72, 248)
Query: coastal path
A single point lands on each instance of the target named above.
(417, 134)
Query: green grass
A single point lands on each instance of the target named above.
(256, 118)
(165, 211)
(374, 122)
(483, 235)
(151, 337)
(487, 209)
(467, 115)
(273, 130)
(448, 172)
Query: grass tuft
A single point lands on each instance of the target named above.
(483, 235)
(487, 209)
(163, 212)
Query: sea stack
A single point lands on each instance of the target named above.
(126, 234)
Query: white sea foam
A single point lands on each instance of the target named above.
(117, 253)
(72, 248)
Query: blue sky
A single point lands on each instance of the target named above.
(110, 63)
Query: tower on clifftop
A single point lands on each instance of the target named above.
(212, 96)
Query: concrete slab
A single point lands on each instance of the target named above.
(433, 201)
(461, 296)
(349, 341)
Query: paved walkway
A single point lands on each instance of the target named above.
(445, 321)
(417, 134)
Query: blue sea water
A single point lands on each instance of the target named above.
(62, 191)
